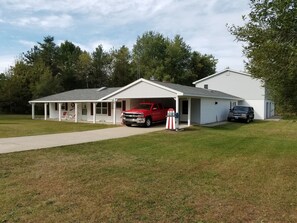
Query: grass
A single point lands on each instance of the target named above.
(23, 125)
(232, 173)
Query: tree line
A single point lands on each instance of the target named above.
(48, 68)
(270, 36)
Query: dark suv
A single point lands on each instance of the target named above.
(244, 113)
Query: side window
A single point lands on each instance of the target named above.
(160, 106)
(104, 108)
(84, 109)
(155, 107)
(101, 108)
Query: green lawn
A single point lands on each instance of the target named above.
(232, 173)
(23, 125)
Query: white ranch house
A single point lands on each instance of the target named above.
(195, 105)
(208, 102)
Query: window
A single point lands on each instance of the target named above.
(64, 106)
(205, 86)
(104, 108)
(184, 107)
(101, 108)
(84, 109)
(56, 106)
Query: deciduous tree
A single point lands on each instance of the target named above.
(149, 55)
(270, 36)
(121, 67)
(177, 61)
(101, 61)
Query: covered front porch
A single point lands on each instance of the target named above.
(94, 112)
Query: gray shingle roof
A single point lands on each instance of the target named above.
(195, 91)
(221, 72)
(95, 94)
(92, 94)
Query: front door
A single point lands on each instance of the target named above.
(184, 111)
(120, 107)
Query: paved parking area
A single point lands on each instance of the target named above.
(16, 144)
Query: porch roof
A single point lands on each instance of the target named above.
(77, 95)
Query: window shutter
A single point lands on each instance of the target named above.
(91, 108)
(109, 109)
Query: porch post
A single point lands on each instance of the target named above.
(94, 112)
(189, 111)
(177, 110)
(33, 110)
(45, 111)
(114, 111)
(60, 111)
(75, 112)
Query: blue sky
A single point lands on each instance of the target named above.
(113, 23)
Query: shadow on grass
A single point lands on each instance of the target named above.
(234, 126)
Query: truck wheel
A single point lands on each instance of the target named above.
(248, 120)
(148, 122)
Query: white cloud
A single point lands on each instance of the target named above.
(62, 21)
(110, 11)
(26, 43)
(91, 46)
(84, 6)
(113, 23)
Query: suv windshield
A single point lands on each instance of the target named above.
(241, 108)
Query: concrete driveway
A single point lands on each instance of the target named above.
(16, 144)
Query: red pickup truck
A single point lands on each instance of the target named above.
(145, 114)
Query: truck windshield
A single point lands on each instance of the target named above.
(144, 106)
(241, 108)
